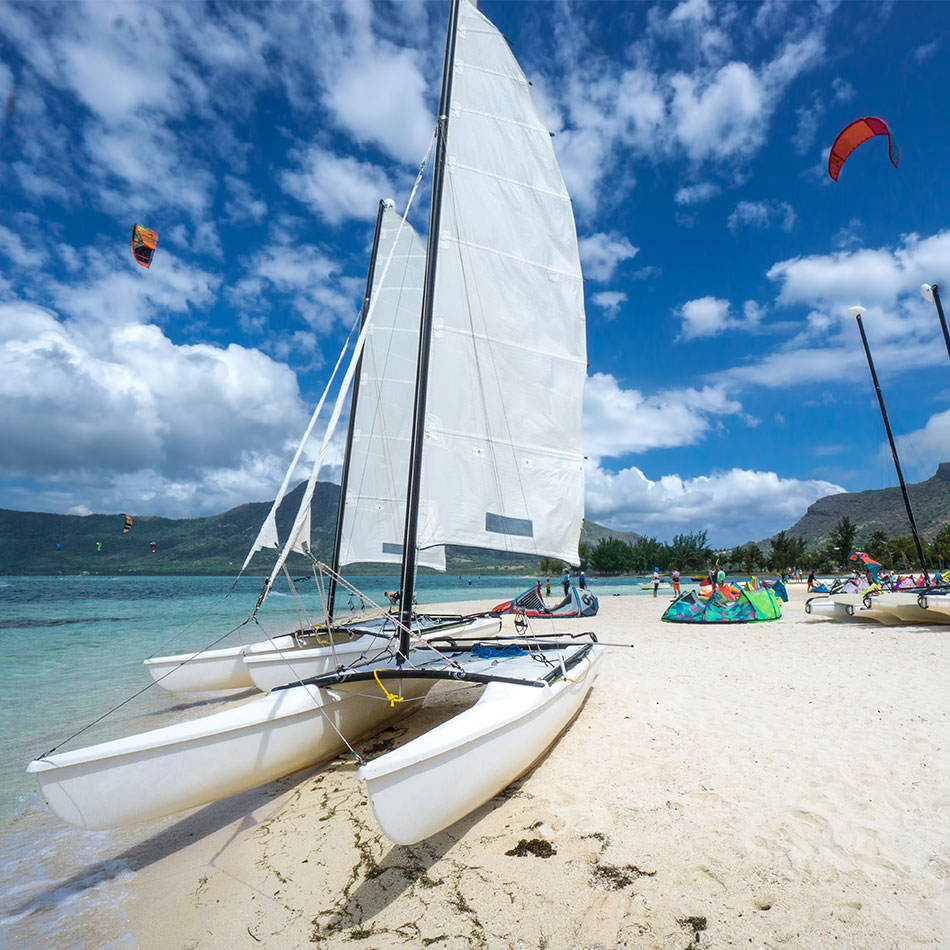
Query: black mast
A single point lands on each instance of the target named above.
(857, 311)
(338, 536)
(407, 580)
(932, 292)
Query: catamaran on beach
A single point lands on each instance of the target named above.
(493, 458)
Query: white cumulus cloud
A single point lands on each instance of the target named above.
(619, 421)
(602, 253)
(339, 188)
(762, 214)
(734, 506)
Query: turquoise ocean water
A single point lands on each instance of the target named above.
(72, 649)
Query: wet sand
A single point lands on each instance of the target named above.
(769, 785)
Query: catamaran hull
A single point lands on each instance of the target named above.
(939, 604)
(905, 607)
(213, 669)
(848, 607)
(270, 670)
(167, 770)
(435, 780)
(826, 607)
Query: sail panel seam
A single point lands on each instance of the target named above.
(523, 81)
(450, 239)
(560, 196)
(512, 344)
(540, 450)
(468, 110)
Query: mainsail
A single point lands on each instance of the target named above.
(503, 447)
(375, 509)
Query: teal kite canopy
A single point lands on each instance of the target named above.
(751, 606)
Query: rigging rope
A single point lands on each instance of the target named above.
(392, 697)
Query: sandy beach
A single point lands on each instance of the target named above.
(782, 784)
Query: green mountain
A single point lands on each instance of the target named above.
(592, 533)
(217, 544)
(880, 508)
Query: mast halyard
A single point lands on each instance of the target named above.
(407, 579)
(338, 536)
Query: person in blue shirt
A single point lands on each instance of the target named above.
(566, 582)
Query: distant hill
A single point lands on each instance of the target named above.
(592, 533)
(880, 508)
(213, 545)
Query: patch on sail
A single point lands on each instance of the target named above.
(500, 524)
(390, 547)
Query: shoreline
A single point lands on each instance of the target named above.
(766, 784)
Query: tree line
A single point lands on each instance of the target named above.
(690, 553)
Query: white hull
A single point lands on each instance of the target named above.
(433, 781)
(166, 770)
(847, 607)
(283, 659)
(212, 669)
(826, 607)
(940, 604)
(906, 609)
(272, 669)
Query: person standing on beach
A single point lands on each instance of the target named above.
(582, 581)
(656, 580)
(547, 587)
(811, 581)
(675, 576)
(566, 582)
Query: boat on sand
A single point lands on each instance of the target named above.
(495, 461)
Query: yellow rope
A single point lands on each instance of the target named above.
(584, 677)
(392, 697)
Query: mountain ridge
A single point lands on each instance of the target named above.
(879, 509)
(214, 544)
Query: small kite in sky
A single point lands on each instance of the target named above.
(855, 134)
(128, 524)
(144, 243)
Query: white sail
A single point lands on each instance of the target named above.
(503, 455)
(267, 535)
(375, 512)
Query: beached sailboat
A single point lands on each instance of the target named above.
(495, 461)
(887, 606)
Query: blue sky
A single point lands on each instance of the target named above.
(727, 389)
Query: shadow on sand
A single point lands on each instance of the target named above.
(200, 824)
(384, 882)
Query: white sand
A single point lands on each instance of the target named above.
(769, 785)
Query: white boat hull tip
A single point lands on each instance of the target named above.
(167, 770)
(212, 669)
(437, 779)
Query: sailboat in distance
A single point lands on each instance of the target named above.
(495, 461)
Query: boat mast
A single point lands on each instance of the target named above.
(407, 580)
(931, 292)
(344, 477)
(857, 311)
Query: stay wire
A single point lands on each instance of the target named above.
(135, 695)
